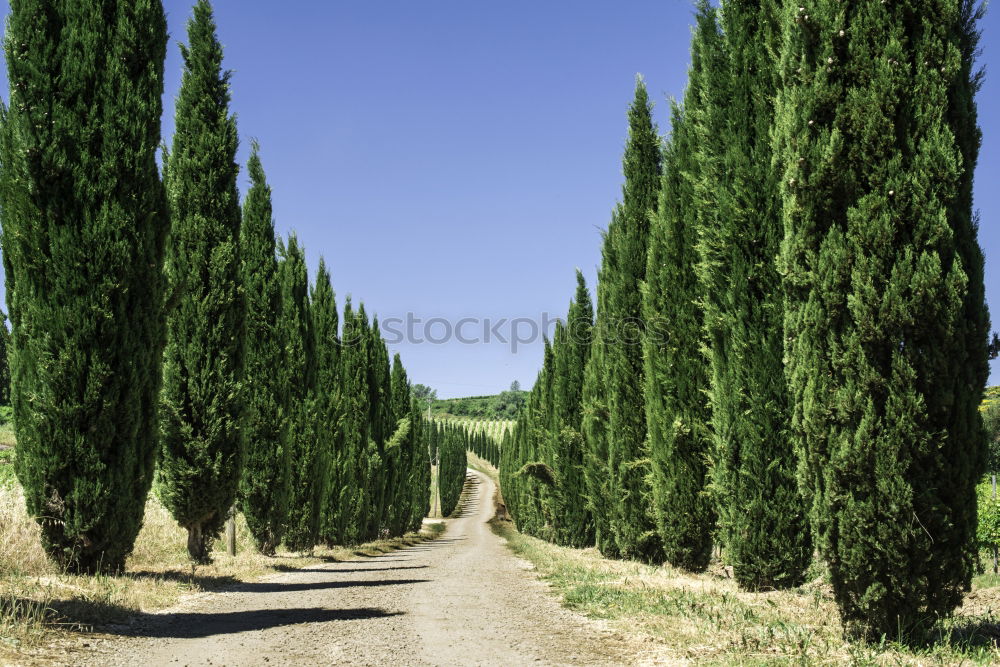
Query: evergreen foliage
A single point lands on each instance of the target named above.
(353, 437)
(84, 227)
(764, 528)
(299, 430)
(264, 486)
(400, 453)
(676, 376)
(452, 464)
(543, 470)
(325, 324)
(420, 469)
(621, 324)
(202, 453)
(885, 323)
(594, 426)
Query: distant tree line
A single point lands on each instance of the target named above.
(504, 405)
(790, 342)
(158, 325)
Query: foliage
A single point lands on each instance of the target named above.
(79, 179)
(202, 450)
(504, 405)
(449, 442)
(299, 435)
(264, 485)
(763, 526)
(677, 411)
(885, 324)
(620, 329)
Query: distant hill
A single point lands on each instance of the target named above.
(502, 406)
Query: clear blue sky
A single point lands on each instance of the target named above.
(459, 159)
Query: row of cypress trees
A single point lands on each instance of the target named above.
(449, 442)
(485, 446)
(153, 320)
(790, 344)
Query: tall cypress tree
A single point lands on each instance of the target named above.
(84, 227)
(299, 366)
(420, 483)
(400, 452)
(202, 455)
(264, 484)
(886, 326)
(764, 528)
(354, 425)
(595, 418)
(676, 375)
(634, 531)
(325, 323)
(574, 527)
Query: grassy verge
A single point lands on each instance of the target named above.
(41, 607)
(483, 466)
(706, 619)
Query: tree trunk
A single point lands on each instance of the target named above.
(198, 545)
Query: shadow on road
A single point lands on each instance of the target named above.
(278, 587)
(318, 570)
(194, 625)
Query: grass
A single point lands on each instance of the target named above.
(482, 466)
(7, 478)
(705, 619)
(41, 607)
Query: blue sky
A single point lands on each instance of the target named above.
(458, 159)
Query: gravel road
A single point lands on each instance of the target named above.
(462, 599)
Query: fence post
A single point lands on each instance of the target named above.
(231, 532)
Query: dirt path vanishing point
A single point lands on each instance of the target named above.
(462, 599)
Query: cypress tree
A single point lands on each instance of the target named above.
(382, 416)
(420, 481)
(885, 324)
(354, 426)
(401, 453)
(299, 366)
(325, 324)
(84, 227)
(594, 421)
(202, 454)
(633, 528)
(764, 528)
(264, 485)
(676, 374)
(575, 524)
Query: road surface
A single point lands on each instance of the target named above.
(463, 599)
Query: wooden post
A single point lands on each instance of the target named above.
(231, 532)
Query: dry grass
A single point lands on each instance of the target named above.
(681, 618)
(40, 606)
(483, 466)
(706, 619)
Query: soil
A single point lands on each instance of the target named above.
(462, 599)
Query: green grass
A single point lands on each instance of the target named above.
(7, 468)
(706, 619)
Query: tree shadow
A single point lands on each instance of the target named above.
(963, 634)
(198, 625)
(280, 587)
(202, 581)
(317, 570)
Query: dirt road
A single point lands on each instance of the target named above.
(462, 599)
